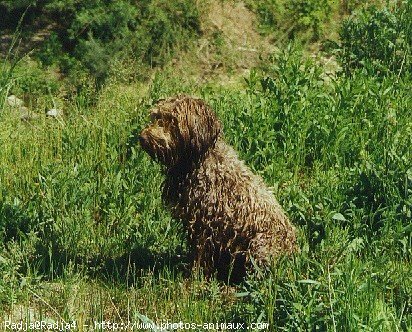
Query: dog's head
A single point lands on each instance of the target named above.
(182, 129)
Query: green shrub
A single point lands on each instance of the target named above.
(51, 51)
(169, 24)
(309, 15)
(294, 19)
(31, 79)
(378, 40)
(100, 33)
(16, 4)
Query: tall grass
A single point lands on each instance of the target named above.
(80, 205)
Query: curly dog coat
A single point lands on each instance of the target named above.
(231, 217)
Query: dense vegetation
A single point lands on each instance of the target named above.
(83, 233)
(98, 36)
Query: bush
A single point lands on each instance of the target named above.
(15, 4)
(378, 40)
(295, 19)
(169, 24)
(299, 119)
(309, 15)
(30, 79)
(100, 33)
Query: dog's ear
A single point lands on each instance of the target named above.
(198, 125)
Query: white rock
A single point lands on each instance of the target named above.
(13, 101)
(54, 112)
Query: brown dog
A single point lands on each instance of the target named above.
(231, 217)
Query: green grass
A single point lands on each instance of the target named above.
(84, 235)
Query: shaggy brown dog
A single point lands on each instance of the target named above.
(231, 217)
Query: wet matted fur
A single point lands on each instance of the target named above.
(232, 219)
